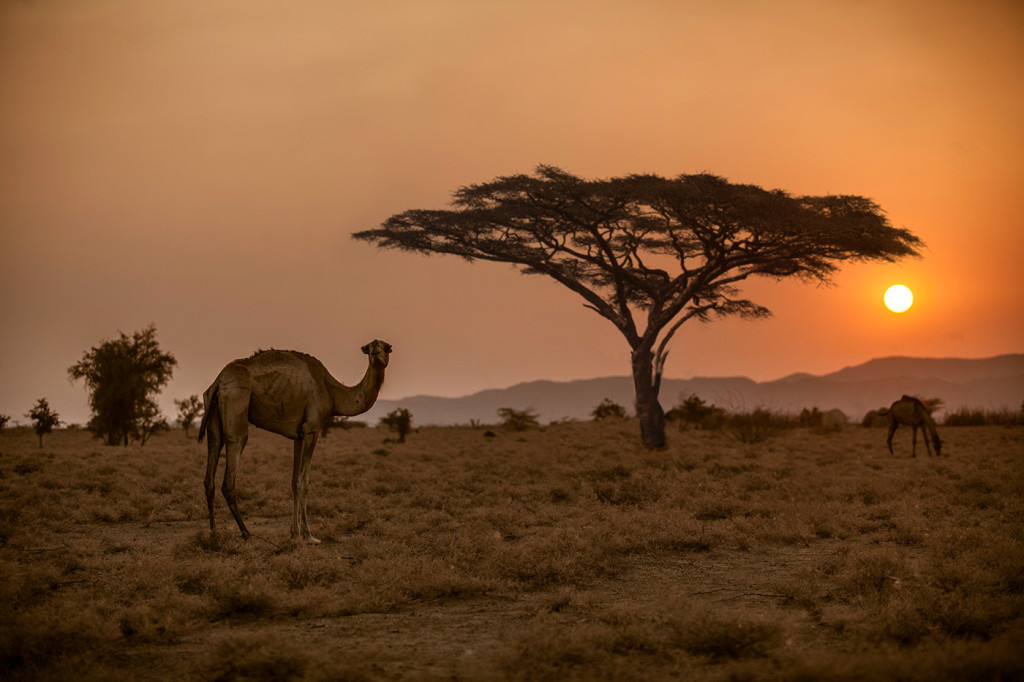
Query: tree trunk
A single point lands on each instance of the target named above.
(648, 409)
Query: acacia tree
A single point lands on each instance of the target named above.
(650, 253)
(122, 376)
(518, 420)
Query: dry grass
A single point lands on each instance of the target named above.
(567, 552)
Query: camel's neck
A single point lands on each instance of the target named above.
(350, 401)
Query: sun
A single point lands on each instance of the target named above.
(898, 298)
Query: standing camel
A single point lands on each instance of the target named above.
(288, 393)
(912, 412)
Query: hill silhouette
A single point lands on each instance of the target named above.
(989, 383)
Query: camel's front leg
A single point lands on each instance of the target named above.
(296, 466)
(926, 436)
(892, 430)
(913, 449)
(300, 486)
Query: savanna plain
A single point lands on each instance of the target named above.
(564, 552)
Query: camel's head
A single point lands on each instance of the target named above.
(378, 352)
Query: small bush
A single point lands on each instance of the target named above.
(237, 597)
(256, 657)
(608, 409)
(755, 427)
(695, 411)
(23, 468)
(723, 636)
(810, 418)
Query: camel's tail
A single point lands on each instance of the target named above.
(210, 402)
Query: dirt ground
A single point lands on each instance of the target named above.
(464, 637)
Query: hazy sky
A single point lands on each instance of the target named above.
(201, 164)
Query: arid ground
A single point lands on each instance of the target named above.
(568, 552)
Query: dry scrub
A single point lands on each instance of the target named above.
(559, 553)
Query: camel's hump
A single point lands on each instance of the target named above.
(274, 356)
(269, 351)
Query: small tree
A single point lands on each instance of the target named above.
(518, 420)
(188, 410)
(399, 421)
(650, 253)
(608, 409)
(148, 422)
(121, 376)
(4, 418)
(44, 420)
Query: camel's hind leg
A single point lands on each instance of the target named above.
(233, 450)
(214, 443)
(913, 448)
(892, 429)
(235, 431)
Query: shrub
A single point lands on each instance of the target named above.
(756, 426)
(722, 636)
(694, 410)
(810, 418)
(256, 657)
(608, 409)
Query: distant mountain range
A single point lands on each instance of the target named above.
(991, 384)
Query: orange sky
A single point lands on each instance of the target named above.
(200, 165)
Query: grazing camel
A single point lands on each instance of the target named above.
(912, 412)
(288, 393)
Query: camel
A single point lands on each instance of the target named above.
(912, 412)
(284, 392)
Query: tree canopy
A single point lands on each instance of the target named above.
(122, 376)
(650, 253)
